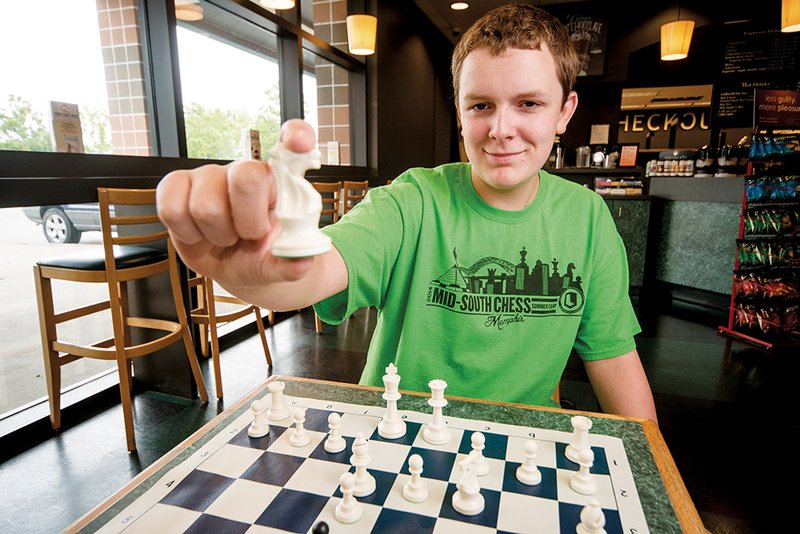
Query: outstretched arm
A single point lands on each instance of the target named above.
(621, 386)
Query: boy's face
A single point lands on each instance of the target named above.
(510, 108)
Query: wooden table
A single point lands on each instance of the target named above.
(665, 503)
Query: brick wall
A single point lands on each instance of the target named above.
(333, 83)
(122, 56)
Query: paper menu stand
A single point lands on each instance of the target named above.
(332, 150)
(251, 144)
(66, 130)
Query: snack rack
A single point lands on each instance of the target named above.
(765, 299)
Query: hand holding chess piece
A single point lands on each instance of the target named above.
(223, 220)
(298, 205)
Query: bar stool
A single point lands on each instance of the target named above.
(126, 255)
(206, 315)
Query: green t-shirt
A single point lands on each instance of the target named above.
(489, 300)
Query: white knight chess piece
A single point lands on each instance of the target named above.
(298, 206)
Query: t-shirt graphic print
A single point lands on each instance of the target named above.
(507, 292)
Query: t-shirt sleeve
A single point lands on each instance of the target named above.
(609, 323)
(368, 238)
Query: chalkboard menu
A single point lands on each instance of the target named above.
(753, 59)
(762, 51)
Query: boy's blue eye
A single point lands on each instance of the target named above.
(480, 107)
(529, 104)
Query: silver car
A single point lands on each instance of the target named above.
(65, 223)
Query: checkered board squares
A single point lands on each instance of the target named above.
(235, 483)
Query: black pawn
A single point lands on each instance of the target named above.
(320, 528)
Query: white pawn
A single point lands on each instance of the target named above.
(278, 411)
(580, 437)
(415, 489)
(349, 509)
(528, 472)
(478, 444)
(259, 427)
(468, 499)
(582, 481)
(365, 483)
(335, 442)
(299, 437)
(592, 519)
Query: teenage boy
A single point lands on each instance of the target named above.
(486, 274)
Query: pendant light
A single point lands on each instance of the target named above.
(277, 4)
(675, 38)
(361, 34)
(188, 10)
(790, 16)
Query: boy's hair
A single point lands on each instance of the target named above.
(520, 26)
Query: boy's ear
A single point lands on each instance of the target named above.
(567, 110)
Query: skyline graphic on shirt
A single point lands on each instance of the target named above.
(499, 288)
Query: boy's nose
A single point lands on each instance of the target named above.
(502, 125)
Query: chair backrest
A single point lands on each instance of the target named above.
(354, 192)
(126, 221)
(330, 193)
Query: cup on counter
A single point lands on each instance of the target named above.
(583, 156)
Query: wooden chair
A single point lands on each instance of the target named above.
(331, 194)
(354, 192)
(127, 255)
(206, 314)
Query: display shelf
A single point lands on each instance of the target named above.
(765, 296)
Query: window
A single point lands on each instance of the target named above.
(97, 54)
(230, 83)
(78, 54)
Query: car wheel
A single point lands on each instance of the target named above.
(58, 229)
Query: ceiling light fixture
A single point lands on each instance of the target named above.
(361, 34)
(675, 38)
(277, 4)
(459, 6)
(188, 10)
(790, 16)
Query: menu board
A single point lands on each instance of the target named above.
(754, 59)
(762, 51)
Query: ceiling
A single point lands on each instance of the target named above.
(453, 23)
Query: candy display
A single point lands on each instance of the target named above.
(765, 304)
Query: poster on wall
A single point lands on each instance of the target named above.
(776, 109)
(588, 35)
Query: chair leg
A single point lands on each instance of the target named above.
(263, 335)
(127, 403)
(211, 307)
(317, 323)
(123, 301)
(175, 283)
(204, 330)
(271, 315)
(47, 328)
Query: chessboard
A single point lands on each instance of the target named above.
(232, 482)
